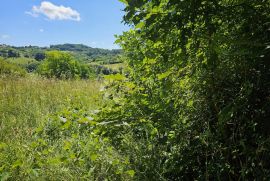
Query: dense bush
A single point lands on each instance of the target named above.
(40, 56)
(32, 66)
(195, 104)
(63, 66)
(9, 69)
(8, 52)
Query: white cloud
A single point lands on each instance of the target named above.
(31, 14)
(54, 12)
(5, 36)
(41, 30)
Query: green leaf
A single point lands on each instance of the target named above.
(67, 145)
(130, 173)
(140, 25)
(17, 163)
(5, 176)
(93, 157)
(164, 75)
(117, 77)
(66, 125)
(124, 1)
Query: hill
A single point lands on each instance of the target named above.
(81, 52)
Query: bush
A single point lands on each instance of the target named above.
(62, 65)
(9, 69)
(40, 56)
(196, 100)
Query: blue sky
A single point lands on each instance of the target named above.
(47, 22)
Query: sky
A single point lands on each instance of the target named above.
(48, 22)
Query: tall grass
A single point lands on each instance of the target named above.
(46, 132)
(26, 102)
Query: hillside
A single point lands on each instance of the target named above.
(81, 52)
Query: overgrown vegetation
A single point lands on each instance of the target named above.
(25, 105)
(192, 104)
(9, 69)
(196, 101)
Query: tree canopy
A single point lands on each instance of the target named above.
(62, 65)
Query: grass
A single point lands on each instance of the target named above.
(26, 102)
(45, 133)
(115, 66)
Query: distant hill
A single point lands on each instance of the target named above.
(88, 54)
(86, 49)
(81, 52)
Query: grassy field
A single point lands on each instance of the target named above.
(46, 132)
(26, 102)
(115, 66)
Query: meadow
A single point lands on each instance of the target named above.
(26, 102)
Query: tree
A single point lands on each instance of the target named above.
(12, 53)
(197, 95)
(40, 56)
(63, 66)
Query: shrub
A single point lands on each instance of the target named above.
(62, 65)
(9, 69)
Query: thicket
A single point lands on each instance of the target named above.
(62, 65)
(9, 69)
(195, 103)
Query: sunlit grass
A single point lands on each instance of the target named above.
(115, 66)
(26, 102)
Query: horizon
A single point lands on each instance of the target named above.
(43, 23)
(27, 46)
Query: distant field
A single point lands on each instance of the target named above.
(116, 66)
(26, 102)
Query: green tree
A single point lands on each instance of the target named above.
(12, 53)
(40, 56)
(63, 66)
(197, 94)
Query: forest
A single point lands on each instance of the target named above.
(187, 98)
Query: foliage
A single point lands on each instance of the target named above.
(7, 52)
(81, 52)
(40, 56)
(192, 104)
(50, 140)
(89, 54)
(29, 64)
(196, 98)
(9, 69)
(26, 102)
(62, 65)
